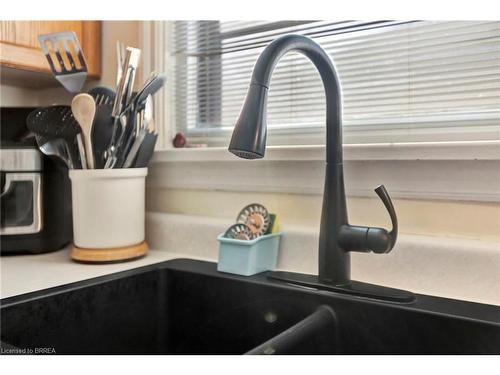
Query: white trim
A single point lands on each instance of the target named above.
(145, 43)
(472, 150)
(467, 171)
(156, 58)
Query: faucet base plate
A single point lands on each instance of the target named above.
(354, 288)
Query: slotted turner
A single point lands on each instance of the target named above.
(58, 122)
(66, 59)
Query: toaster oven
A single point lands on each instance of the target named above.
(21, 195)
(35, 198)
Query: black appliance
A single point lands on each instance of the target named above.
(35, 191)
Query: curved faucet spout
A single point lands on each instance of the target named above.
(251, 128)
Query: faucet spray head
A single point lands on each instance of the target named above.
(249, 135)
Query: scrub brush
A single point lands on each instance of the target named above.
(274, 224)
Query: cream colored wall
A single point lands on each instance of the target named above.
(440, 218)
(11, 96)
(126, 31)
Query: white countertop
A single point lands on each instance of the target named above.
(21, 274)
(458, 268)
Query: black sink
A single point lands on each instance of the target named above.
(186, 306)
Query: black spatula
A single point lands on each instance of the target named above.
(146, 150)
(58, 122)
(102, 129)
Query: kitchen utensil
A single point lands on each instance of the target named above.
(128, 137)
(103, 95)
(124, 89)
(135, 140)
(102, 129)
(148, 116)
(143, 129)
(122, 100)
(55, 147)
(148, 112)
(81, 151)
(84, 108)
(150, 78)
(139, 139)
(151, 87)
(139, 122)
(59, 122)
(75, 152)
(120, 53)
(256, 217)
(66, 59)
(154, 83)
(152, 126)
(146, 150)
(55, 122)
(113, 153)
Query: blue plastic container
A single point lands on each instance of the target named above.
(248, 257)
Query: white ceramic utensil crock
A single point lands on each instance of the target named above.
(108, 207)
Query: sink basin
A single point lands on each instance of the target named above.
(186, 307)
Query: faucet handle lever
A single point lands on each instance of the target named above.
(386, 199)
(379, 240)
(365, 239)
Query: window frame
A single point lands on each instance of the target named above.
(463, 149)
(440, 128)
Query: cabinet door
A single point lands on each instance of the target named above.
(19, 46)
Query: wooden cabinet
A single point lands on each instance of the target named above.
(19, 48)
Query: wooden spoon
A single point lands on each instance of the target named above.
(83, 108)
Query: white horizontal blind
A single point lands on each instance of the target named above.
(393, 74)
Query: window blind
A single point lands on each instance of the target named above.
(392, 73)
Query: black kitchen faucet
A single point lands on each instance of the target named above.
(337, 237)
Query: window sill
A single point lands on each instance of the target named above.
(465, 171)
(469, 150)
